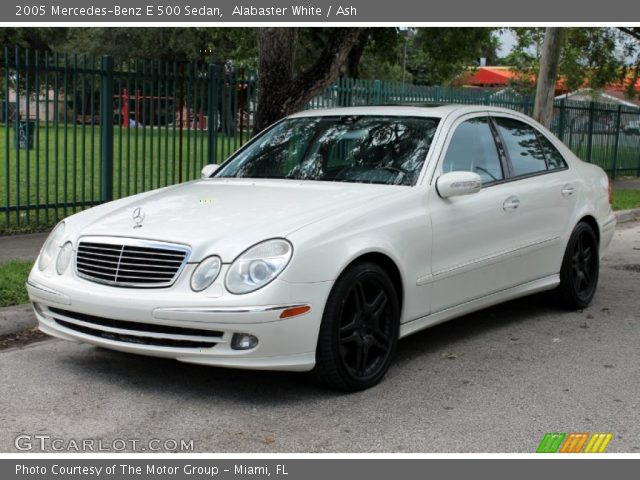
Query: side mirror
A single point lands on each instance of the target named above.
(208, 170)
(454, 184)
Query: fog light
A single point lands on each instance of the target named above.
(243, 341)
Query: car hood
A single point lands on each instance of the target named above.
(227, 216)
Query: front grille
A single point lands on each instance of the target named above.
(136, 332)
(130, 262)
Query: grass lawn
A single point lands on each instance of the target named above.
(626, 199)
(64, 167)
(604, 151)
(13, 274)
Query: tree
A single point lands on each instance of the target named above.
(437, 55)
(282, 92)
(589, 57)
(203, 45)
(631, 47)
(547, 77)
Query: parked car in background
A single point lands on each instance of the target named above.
(327, 238)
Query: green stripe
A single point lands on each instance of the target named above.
(558, 441)
(551, 443)
(543, 443)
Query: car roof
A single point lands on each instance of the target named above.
(437, 111)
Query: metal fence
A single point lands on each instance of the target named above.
(76, 131)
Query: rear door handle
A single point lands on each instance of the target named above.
(511, 203)
(567, 190)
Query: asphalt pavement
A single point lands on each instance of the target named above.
(493, 381)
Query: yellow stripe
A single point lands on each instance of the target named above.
(583, 438)
(569, 443)
(596, 446)
(607, 439)
(590, 444)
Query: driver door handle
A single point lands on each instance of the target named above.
(511, 203)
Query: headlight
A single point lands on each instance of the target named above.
(258, 266)
(50, 247)
(64, 258)
(205, 273)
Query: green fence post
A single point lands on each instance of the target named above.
(615, 146)
(592, 107)
(212, 107)
(377, 87)
(106, 129)
(561, 120)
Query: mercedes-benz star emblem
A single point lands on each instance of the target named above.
(138, 217)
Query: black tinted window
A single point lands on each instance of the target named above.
(473, 148)
(522, 144)
(554, 157)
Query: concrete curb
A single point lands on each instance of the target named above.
(16, 319)
(627, 215)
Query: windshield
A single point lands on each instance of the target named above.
(361, 149)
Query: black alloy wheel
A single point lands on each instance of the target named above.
(580, 269)
(359, 329)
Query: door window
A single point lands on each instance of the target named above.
(521, 142)
(554, 157)
(473, 148)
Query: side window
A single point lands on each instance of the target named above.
(473, 148)
(522, 144)
(554, 157)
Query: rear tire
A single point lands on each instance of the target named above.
(359, 329)
(580, 269)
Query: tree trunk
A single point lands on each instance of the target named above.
(276, 54)
(353, 60)
(546, 85)
(279, 92)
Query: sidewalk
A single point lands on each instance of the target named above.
(21, 247)
(626, 184)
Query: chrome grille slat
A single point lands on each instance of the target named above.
(143, 254)
(122, 262)
(107, 255)
(148, 268)
(126, 257)
(125, 262)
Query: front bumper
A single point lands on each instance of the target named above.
(153, 321)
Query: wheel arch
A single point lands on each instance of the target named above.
(388, 265)
(593, 223)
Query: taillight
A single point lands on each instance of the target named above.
(610, 192)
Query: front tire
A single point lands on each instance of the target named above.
(359, 329)
(580, 269)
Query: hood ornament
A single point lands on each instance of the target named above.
(138, 217)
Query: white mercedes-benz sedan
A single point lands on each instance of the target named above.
(327, 238)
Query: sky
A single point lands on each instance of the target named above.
(507, 42)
